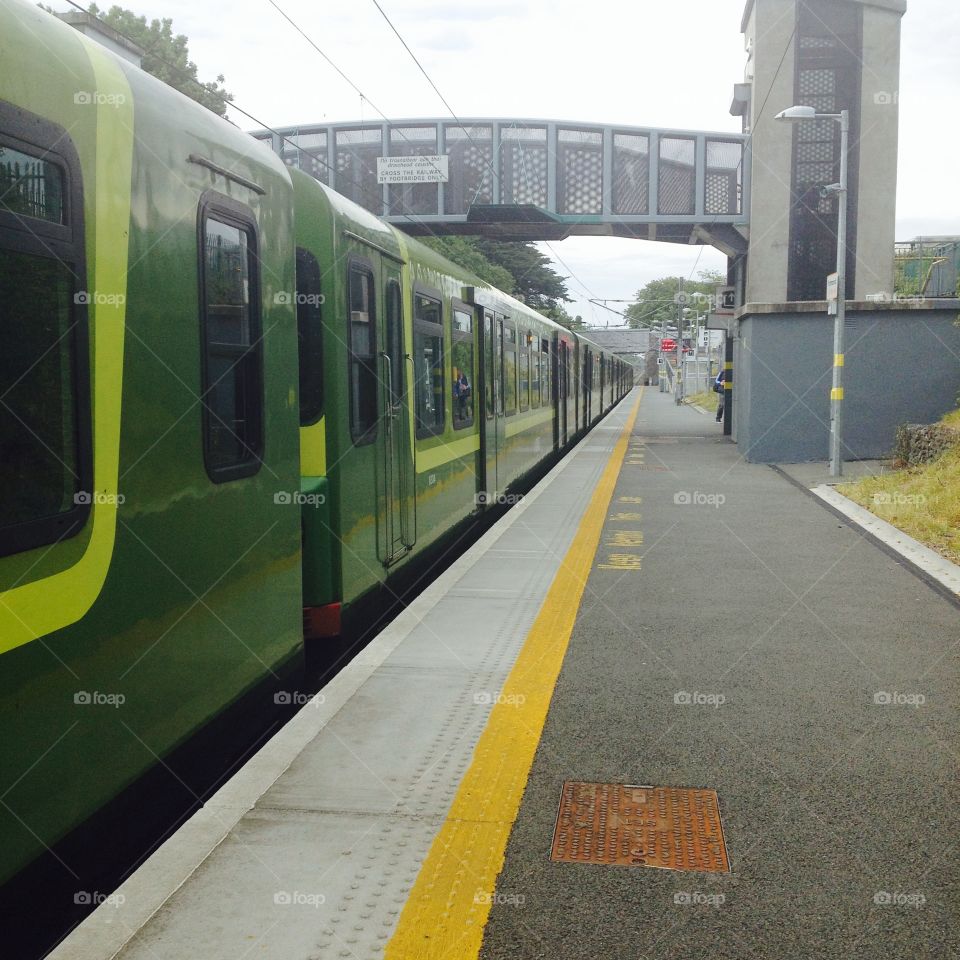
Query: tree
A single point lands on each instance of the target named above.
(515, 267)
(535, 282)
(464, 252)
(657, 302)
(559, 315)
(166, 56)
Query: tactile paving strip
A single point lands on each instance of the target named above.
(632, 826)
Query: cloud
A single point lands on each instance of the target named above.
(446, 12)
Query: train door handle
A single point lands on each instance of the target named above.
(390, 407)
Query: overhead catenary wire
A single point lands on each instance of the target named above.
(453, 113)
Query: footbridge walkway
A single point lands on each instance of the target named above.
(529, 179)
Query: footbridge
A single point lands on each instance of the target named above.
(524, 179)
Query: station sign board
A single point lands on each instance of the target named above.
(429, 169)
(726, 301)
(833, 287)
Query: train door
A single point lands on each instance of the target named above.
(562, 378)
(572, 390)
(587, 387)
(398, 500)
(566, 398)
(492, 433)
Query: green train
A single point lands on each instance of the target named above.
(233, 405)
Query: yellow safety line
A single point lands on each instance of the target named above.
(448, 906)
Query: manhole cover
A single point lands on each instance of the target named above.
(632, 826)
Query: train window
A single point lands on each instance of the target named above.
(523, 368)
(510, 368)
(428, 364)
(462, 369)
(490, 352)
(534, 347)
(232, 355)
(45, 465)
(545, 372)
(501, 369)
(31, 186)
(363, 355)
(310, 337)
(39, 469)
(394, 335)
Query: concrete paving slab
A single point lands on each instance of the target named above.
(813, 474)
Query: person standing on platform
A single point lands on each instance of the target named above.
(722, 391)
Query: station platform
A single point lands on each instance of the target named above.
(671, 706)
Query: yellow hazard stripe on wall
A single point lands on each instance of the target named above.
(836, 393)
(449, 904)
(35, 609)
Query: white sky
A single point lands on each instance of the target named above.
(669, 63)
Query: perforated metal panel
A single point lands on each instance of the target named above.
(357, 152)
(678, 186)
(413, 198)
(828, 80)
(523, 165)
(471, 167)
(724, 176)
(579, 171)
(308, 152)
(631, 173)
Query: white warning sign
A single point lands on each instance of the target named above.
(434, 169)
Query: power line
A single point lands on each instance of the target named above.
(453, 114)
(184, 76)
(325, 57)
(417, 62)
(412, 219)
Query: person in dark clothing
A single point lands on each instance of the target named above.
(721, 391)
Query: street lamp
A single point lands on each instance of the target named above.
(799, 113)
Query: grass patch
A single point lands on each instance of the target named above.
(922, 501)
(705, 401)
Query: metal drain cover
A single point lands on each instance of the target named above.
(623, 825)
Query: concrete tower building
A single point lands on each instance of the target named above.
(831, 55)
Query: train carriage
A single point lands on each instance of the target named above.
(234, 404)
(437, 398)
(146, 576)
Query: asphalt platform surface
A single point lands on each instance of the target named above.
(817, 687)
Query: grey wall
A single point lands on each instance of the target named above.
(768, 30)
(879, 125)
(902, 365)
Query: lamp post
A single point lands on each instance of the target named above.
(800, 113)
